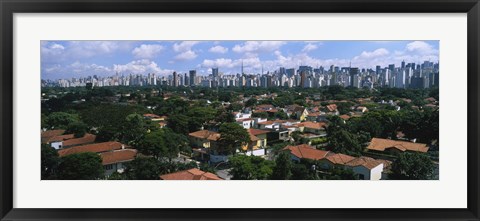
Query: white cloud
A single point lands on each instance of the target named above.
(309, 47)
(218, 49)
(420, 47)
(187, 55)
(147, 51)
(142, 66)
(184, 46)
(92, 48)
(258, 46)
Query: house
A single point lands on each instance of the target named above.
(305, 151)
(258, 142)
(313, 116)
(191, 174)
(332, 109)
(396, 146)
(365, 167)
(95, 148)
(204, 138)
(279, 134)
(246, 122)
(300, 112)
(114, 161)
(69, 140)
(336, 159)
(361, 110)
(317, 128)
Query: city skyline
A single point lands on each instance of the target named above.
(76, 59)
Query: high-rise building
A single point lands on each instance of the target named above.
(215, 73)
(193, 75)
(290, 72)
(353, 73)
(175, 80)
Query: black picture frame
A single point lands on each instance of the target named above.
(9, 7)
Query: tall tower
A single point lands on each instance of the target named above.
(175, 80)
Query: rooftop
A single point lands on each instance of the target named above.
(380, 144)
(191, 174)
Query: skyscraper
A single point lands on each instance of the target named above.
(353, 73)
(215, 73)
(175, 80)
(193, 75)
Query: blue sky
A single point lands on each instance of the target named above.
(67, 59)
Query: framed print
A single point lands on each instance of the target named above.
(239, 110)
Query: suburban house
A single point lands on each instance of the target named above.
(191, 174)
(396, 146)
(246, 122)
(278, 135)
(332, 109)
(335, 159)
(95, 148)
(258, 142)
(361, 110)
(69, 140)
(300, 112)
(204, 138)
(313, 127)
(305, 151)
(365, 167)
(114, 161)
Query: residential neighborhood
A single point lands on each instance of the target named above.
(240, 110)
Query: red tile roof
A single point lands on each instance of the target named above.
(307, 151)
(96, 148)
(86, 139)
(257, 131)
(191, 174)
(59, 138)
(46, 135)
(380, 144)
(206, 134)
(366, 162)
(118, 156)
(332, 107)
(313, 125)
(339, 158)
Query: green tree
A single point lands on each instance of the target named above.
(134, 128)
(412, 166)
(283, 167)
(232, 137)
(143, 168)
(342, 141)
(162, 143)
(50, 161)
(251, 102)
(178, 123)
(77, 128)
(60, 120)
(81, 166)
(250, 168)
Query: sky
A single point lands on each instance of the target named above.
(67, 59)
